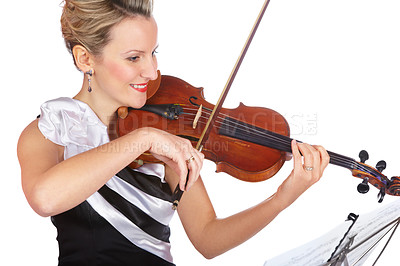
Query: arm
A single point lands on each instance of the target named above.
(212, 236)
(53, 185)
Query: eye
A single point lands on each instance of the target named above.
(154, 53)
(133, 58)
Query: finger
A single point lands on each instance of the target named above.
(183, 175)
(199, 160)
(296, 155)
(179, 171)
(191, 172)
(308, 157)
(324, 156)
(183, 149)
(194, 167)
(191, 165)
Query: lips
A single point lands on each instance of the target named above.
(139, 87)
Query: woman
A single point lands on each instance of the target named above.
(69, 161)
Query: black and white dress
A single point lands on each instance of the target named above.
(123, 223)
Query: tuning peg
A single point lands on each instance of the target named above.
(381, 165)
(363, 156)
(381, 194)
(363, 187)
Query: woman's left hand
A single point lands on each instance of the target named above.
(306, 172)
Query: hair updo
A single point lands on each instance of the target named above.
(88, 22)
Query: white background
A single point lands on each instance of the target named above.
(331, 67)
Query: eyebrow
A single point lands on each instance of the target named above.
(134, 50)
(139, 51)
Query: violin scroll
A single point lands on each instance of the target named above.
(394, 188)
(374, 176)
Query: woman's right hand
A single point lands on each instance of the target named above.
(178, 153)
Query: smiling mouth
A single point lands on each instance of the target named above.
(139, 87)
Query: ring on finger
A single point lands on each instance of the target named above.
(189, 160)
(308, 168)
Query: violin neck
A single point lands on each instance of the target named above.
(243, 131)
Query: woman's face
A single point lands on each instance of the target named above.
(127, 63)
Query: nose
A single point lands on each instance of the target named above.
(149, 70)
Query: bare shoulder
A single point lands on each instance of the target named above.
(30, 131)
(35, 152)
(31, 137)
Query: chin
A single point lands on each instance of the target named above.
(138, 103)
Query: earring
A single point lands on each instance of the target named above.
(90, 74)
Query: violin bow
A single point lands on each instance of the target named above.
(177, 195)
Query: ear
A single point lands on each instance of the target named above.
(83, 59)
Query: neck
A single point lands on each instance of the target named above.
(104, 110)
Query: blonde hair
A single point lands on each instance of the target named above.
(88, 22)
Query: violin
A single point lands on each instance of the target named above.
(248, 143)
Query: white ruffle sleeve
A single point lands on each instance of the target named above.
(72, 124)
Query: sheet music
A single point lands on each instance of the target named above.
(318, 251)
(369, 224)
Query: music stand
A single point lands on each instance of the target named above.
(340, 257)
(348, 244)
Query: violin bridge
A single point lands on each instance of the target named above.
(197, 117)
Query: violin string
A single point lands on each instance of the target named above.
(283, 140)
(346, 162)
(255, 131)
